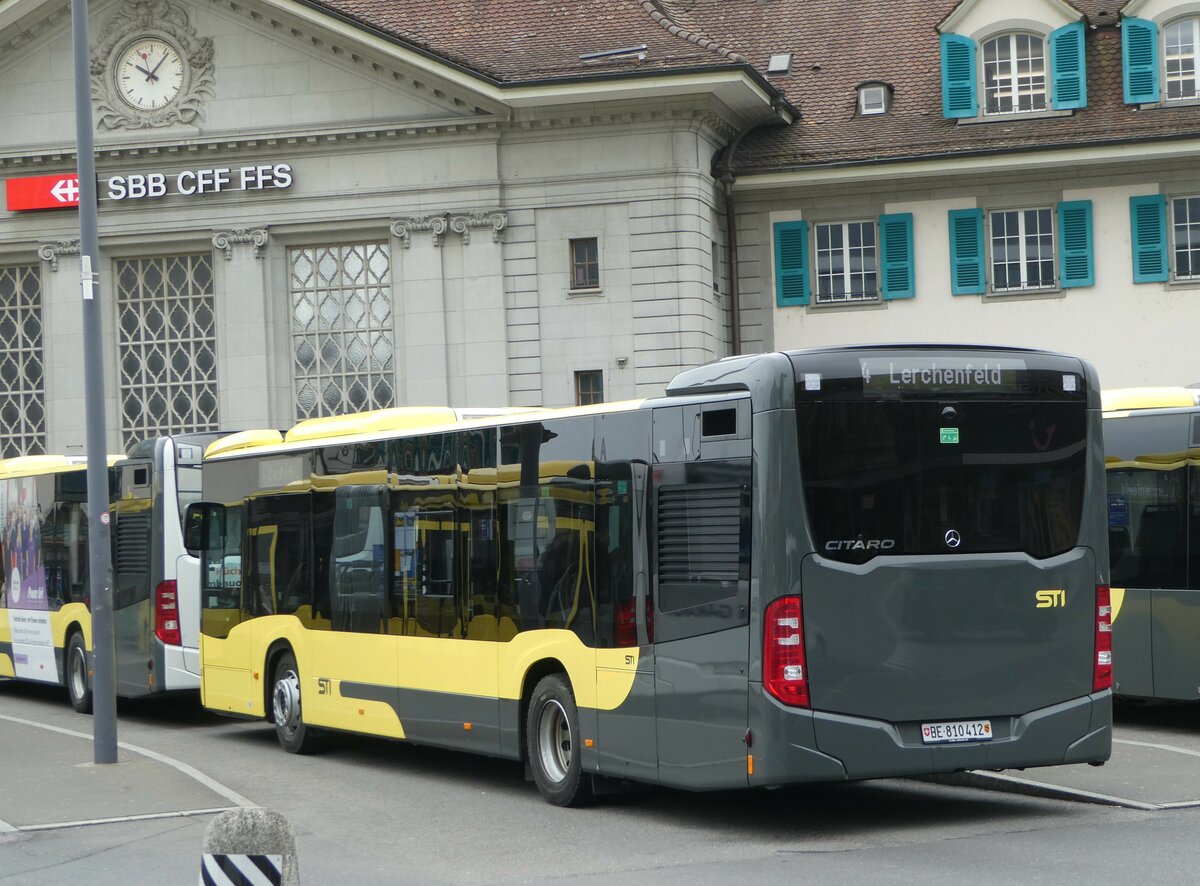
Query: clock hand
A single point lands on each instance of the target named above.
(144, 71)
(153, 71)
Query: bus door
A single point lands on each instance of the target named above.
(181, 487)
(628, 740)
(136, 560)
(351, 683)
(701, 591)
(1152, 515)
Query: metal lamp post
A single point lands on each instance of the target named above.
(104, 700)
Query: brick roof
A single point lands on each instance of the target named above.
(836, 45)
(897, 43)
(521, 41)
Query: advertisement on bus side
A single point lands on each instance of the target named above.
(23, 592)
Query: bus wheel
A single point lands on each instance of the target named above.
(79, 685)
(553, 743)
(293, 734)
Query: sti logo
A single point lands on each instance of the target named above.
(1050, 599)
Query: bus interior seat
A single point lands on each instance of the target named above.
(1119, 555)
(358, 601)
(1161, 546)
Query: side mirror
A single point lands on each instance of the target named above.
(203, 524)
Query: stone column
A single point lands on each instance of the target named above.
(244, 371)
(419, 311)
(479, 351)
(62, 349)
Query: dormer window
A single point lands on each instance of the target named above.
(1159, 62)
(1018, 72)
(1180, 41)
(1014, 74)
(873, 99)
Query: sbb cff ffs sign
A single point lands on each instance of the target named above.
(42, 192)
(61, 191)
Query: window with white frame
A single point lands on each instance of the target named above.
(872, 99)
(1014, 74)
(1185, 237)
(1181, 42)
(1022, 249)
(847, 266)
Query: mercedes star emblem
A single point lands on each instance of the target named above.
(953, 539)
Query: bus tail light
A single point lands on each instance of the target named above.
(785, 670)
(1102, 667)
(166, 614)
(627, 623)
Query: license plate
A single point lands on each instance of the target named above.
(962, 730)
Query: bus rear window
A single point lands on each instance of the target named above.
(902, 476)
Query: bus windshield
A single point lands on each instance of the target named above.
(958, 461)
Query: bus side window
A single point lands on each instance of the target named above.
(220, 570)
(358, 578)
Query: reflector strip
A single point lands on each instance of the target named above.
(241, 870)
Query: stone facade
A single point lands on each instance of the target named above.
(355, 149)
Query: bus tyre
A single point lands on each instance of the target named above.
(79, 682)
(553, 744)
(293, 734)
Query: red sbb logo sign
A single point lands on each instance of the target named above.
(42, 192)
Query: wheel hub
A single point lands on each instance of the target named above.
(286, 699)
(554, 740)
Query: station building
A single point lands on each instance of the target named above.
(317, 207)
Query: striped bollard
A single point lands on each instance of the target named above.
(249, 847)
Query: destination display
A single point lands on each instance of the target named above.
(931, 374)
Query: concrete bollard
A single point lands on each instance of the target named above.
(249, 846)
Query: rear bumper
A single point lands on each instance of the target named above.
(792, 745)
(176, 675)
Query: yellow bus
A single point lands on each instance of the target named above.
(781, 571)
(45, 620)
(1152, 446)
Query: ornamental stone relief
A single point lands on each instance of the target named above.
(149, 68)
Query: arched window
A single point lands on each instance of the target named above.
(1181, 42)
(1014, 74)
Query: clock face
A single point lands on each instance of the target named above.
(149, 74)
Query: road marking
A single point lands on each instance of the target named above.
(147, 816)
(1182, 804)
(1160, 747)
(212, 784)
(1058, 792)
(6, 828)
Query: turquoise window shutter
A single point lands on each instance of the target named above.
(958, 77)
(966, 252)
(1075, 254)
(896, 238)
(1139, 60)
(1068, 71)
(791, 263)
(1148, 237)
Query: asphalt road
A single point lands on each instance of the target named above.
(379, 812)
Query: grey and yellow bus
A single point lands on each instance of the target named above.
(1152, 441)
(810, 566)
(45, 616)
